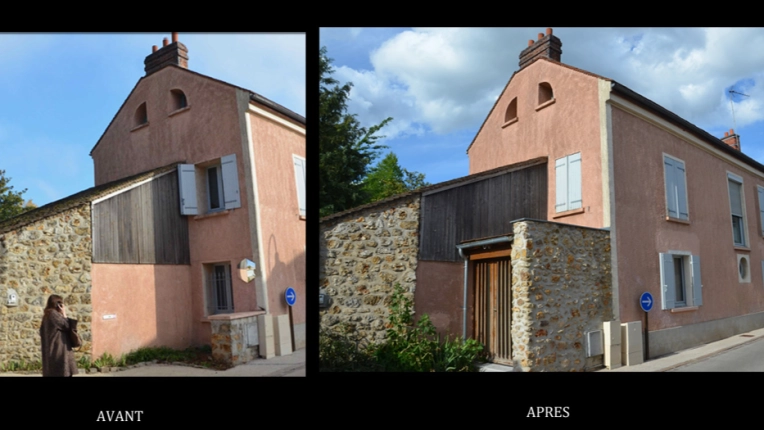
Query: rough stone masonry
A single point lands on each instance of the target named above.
(49, 256)
(362, 256)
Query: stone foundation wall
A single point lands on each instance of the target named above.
(361, 258)
(50, 256)
(561, 289)
(234, 338)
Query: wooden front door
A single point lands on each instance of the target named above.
(493, 304)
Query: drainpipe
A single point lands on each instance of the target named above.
(471, 245)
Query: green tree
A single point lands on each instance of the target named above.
(345, 148)
(11, 203)
(388, 178)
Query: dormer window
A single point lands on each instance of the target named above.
(178, 99)
(141, 116)
(545, 93)
(511, 111)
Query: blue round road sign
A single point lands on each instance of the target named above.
(291, 296)
(646, 301)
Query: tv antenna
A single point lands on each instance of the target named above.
(732, 106)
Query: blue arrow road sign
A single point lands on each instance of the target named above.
(646, 301)
(291, 296)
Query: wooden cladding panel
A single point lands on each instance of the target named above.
(142, 225)
(480, 209)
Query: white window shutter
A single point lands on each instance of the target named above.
(187, 189)
(230, 182)
(561, 181)
(681, 191)
(669, 172)
(299, 177)
(668, 290)
(574, 181)
(697, 293)
(761, 208)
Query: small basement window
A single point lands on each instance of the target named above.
(545, 93)
(141, 116)
(511, 111)
(178, 99)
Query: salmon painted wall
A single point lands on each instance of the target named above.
(208, 129)
(440, 294)
(282, 234)
(150, 304)
(196, 134)
(569, 125)
(643, 231)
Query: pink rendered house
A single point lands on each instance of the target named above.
(238, 166)
(685, 209)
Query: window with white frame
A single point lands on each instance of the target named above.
(760, 190)
(220, 186)
(299, 177)
(568, 183)
(676, 188)
(680, 280)
(219, 292)
(737, 209)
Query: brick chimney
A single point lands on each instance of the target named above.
(731, 139)
(170, 53)
(548, 46)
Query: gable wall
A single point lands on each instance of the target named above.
(569, 125)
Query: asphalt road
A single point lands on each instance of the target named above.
(743, 358)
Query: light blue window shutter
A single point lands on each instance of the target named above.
(761, 208)
(230, 182)
(187, 189)
(668, 295)
(697, 287)
(681, 190)
(669, 172)
(299, 177)
(561, 181)
(574, 181)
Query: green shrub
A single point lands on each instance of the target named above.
(338, 353)
(409, 347)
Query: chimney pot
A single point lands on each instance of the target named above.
(165, 42)
(530, 42)
(174, 37)
(541, 36)
(726, 133)
(732, 131)
(549, 31)
(154, 48)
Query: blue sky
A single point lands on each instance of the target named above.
(58, 93)
(439, 84)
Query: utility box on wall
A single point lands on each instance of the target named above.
(12, 298)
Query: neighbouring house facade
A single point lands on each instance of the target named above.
(193, 232)
(639, 200)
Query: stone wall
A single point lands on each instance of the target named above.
(362, 256)
(49, 256)
(235, 337)
(561, 289)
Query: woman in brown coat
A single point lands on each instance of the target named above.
(57, 354)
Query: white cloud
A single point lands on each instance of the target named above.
(447, 79)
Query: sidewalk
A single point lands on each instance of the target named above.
(687, 356)
(288, 365)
